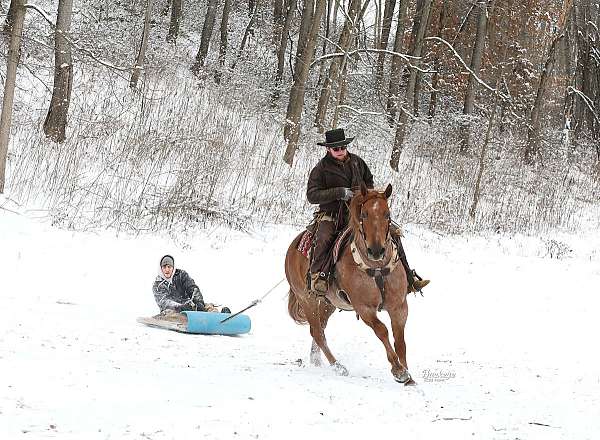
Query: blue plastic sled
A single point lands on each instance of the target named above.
(207, 323)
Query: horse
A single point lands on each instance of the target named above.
(367, 275)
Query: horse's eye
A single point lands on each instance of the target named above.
(387, 215)
(363, 215)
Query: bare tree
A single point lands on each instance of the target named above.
(396, 68)
(278, 20)
(249, 31)
(313, 13)
(436, 62)
(410, 90)
(469, 104)
(174, 22)
(139, 62)
(289, 14)
(10, 18)
(14, 53)
(482, 156)
(388, 15)
(207, 29)
(56, 120)
(535, 123)
(334, 67)
(328, 31)
(224, 43)
(418, 74)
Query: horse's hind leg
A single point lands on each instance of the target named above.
(317, 315)
(325, 311)
(369, 316)
(315, 354)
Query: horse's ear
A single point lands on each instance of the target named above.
(388, 191)
(363, 189)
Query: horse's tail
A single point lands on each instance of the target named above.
(295, 309)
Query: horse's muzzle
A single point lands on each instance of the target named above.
(375, 253)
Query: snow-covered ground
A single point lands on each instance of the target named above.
(509, 332)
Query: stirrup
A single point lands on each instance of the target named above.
(417, 282)
(320, 279)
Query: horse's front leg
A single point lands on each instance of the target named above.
(369, 316)
(398, 316)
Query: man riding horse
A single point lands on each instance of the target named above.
(329, 186)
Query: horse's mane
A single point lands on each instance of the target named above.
(358, 200)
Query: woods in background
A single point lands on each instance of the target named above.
(472, 81)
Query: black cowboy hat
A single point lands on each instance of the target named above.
(335, 138)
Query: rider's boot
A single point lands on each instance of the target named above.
(415, 282)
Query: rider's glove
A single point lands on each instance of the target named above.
(347, 194)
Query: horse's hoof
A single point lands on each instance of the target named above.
(339, 369)
(316, 361)
(402, 377)
(410, 383)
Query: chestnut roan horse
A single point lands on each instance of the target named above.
(369, 273)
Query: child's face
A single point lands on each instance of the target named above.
(167, 270)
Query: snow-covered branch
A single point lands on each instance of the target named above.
(588, 102)
(85, 51)
(464, 64)
(405, 57)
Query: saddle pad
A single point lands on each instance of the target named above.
(305, 243)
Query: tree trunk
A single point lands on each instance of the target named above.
(174, 23)
(56, 121)
(207, 30)
(334, 66)
(482, 11)
(301, 71)
(223, 44)
(305, 26)
(278, 20)
(418, 75)
(289, 14)
(10, 19)
(569, 100)
(410, 90)
(342, 92)
(249, 30)
(469, 104)
(14, 53)
(436, 62)
(377, 24)
(482, 155)
(326, 23)
(396, 68)
(388, 15)
(534, 126)
(139, 63)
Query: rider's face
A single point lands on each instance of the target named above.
(338, 153)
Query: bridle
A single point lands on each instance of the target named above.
(361, 227)
(377, 273)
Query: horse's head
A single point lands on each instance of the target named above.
(370, 217)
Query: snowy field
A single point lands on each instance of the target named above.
(503, 345)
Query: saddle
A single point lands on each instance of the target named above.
(342, 240)
(339, 298)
